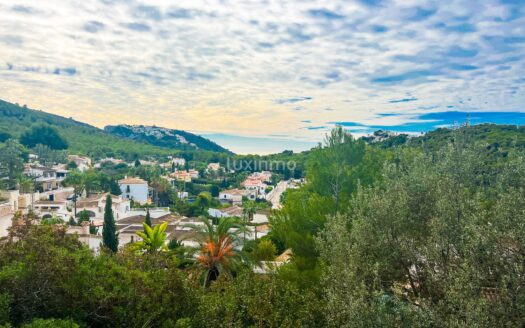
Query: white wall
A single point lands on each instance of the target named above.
(137, 192)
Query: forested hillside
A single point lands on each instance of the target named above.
(80, 137)
(493, 136)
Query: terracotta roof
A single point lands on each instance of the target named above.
(233, 210)
(285, 256)
(234, 192)
(133, 180)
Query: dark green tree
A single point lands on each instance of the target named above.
(137, 162)
(148, 218)
(109, 232)
(45, 135)
(11, 163)
(4, 136)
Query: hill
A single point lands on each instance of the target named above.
(494, 136)
(164, 137)
(82, 138)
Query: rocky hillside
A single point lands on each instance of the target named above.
(164, 137)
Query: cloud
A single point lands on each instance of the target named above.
(262, 67)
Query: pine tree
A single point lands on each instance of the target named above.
(109, 232)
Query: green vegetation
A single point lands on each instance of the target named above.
(41, 134)
(17, 121)
(404, 232)
(11, 163)
(153, 239)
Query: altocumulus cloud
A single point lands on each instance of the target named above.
(258, 67)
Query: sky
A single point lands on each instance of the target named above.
(284, 72)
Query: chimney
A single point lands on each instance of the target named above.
(85, 227)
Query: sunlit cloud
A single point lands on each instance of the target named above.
(259, 68)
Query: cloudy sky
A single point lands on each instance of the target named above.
(273, 69)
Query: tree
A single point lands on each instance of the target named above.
(249, 208)
(11, 162)
(4, 136)
(153, 239)
(45, 135)
(264, 251)
(84, 216)
(214, 191)
(109, 229)
(147, 221)
(137, 162)
(217, 253)
(75, 179)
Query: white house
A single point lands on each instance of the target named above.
(83, 163)
(234, 196)
(44, 177)
(135, 189)
(256, 185)
(180, 162)
(95, 205)
(214, 167)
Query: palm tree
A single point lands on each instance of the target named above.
(248, 210)
(153, 239)
(217, 254)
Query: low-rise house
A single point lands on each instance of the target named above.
(179, 162)
(255, 184)
(214, 167)
(194, 174)
(83, 163)
(226, 212)
(45, 178)
(181, 176)
(186, 176)
(177, 229)
(95, 205)
(134, 189)
(52, 208)
(234, 196)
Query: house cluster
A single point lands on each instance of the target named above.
(258, 183)
(185, 175)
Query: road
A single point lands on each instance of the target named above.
(274, 196)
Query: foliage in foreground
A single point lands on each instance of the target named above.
(438, 243)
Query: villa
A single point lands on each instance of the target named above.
(135, 189)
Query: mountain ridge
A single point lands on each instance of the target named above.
(165, 137)
(82, 138)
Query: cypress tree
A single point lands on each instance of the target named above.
(109, 232)
(148, 218)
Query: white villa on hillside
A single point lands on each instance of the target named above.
(234, 196)
(134, 189)
(95, 205)
(82, 163)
